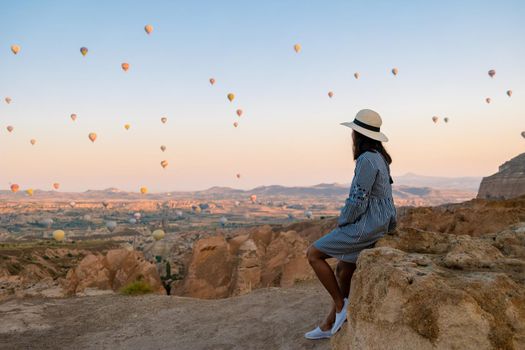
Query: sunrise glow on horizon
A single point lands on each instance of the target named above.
(289, 132)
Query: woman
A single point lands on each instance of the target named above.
(368, 214)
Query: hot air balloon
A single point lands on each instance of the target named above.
(127, 126)
(239, 112)
(125, 66)
(308, 214)
(105, 204)
(330, 94)
(46, 222)
(15, 188)
(84, 51)
(15, 49)
(92, 136)
(238, 176)
(73, 117)
(10, 128)
(162, 148)
(59, 235)
(137, 215)
(356, 75)
(223, 221)
(72, 204)
(164, 164)
(488, 100)
(395, 71)
(56, 185)
(435, 119)
(32, 141)
(235, 124)
(509, 93)
(445, 119)
(212, 81)
(148, 28)
(8, 100)
(143, 190)
(29, 191)
(523, 134)
(297, 48)
(163, 120)
(158, 235)
(231, 96)
(111, 225)
(253, 198)
(492, 73)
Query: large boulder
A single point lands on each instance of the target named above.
(441, 292)
(112, 271)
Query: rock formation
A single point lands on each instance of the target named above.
(428, 290)
(112, 271)
(221, 268)
(508, 182)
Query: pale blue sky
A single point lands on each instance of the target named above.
(289, 133)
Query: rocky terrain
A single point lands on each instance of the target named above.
(508, 182)
(451, 276)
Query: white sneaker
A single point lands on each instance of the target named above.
(318, 334)
(340, 317)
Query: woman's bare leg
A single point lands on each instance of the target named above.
(317, 260)
(344, 272)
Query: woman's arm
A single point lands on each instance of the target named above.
(357, 201)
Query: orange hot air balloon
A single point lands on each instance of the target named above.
(435, 119)
(164, 164)
(212, 81)
(127, 126)
(235, 124)
(297, 48)
(15, 49)
(8, 100)
(509, 93)
(330, 94)
(10, 128)
(231, 96)
(125, 66)
(163, 120)
(148, 28)
(239, 112)
(29, 191)
(92, 136)
(395, 71)
(238, 176)
(143, 190)
(162, 148)
(73, 117)
(492, 73)
(253, 198)
(488, 100)
(84, 51)
(32, 141)
(56, 185)
(15, 188)
(356, 75)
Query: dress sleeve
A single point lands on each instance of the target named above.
(357, 201)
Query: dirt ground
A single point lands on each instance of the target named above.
(274, 318)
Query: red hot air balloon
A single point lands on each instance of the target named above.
(239, 112)
(212, 81)
(330, 94)
(15, 188)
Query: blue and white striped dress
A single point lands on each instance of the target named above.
(368, 213)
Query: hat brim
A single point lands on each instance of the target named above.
(375, 135)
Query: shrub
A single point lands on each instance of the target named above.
(136, 288)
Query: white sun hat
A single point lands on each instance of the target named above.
(368, 123)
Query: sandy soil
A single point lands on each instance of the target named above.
(274, 318)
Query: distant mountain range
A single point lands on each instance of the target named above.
(408, 189)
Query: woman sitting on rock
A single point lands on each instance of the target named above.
(368, 214)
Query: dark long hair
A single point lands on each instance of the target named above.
(363, 143)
